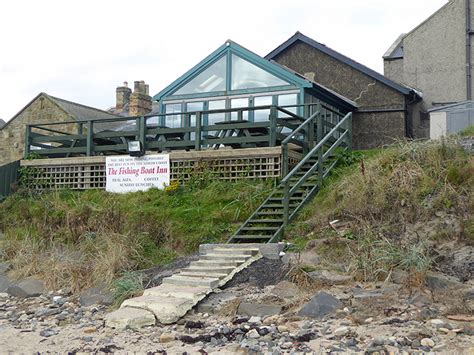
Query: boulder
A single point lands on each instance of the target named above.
(259, 310)
(437, 281)
(4, 267)
(5, 282)
(326, 277)
(127, 317)
(96, 295)
(25, 288)
(320, 306)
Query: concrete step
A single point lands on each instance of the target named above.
(166, 309)
(177, 291)
(217, 263)
(224, 257)
(235, 251)
(193, 273)
(192, 281)
(216, 269)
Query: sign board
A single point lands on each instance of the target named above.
(129, 174)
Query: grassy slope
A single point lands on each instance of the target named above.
(75, 239)
(404, 185)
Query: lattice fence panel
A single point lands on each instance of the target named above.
(93, 176)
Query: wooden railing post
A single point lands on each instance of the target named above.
(319, 137)
(311, 127)
(197, 143)
(142, 132)
(285, 159)
(80, 128)
(349, 132)
(273, 124)
(286, 202)
(90, 139)
(27, 140)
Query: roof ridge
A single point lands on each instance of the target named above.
(339, 56)
(78, 104)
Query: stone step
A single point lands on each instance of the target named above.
(193, 273)
(224, 257)
(177, 291)
(192, 281)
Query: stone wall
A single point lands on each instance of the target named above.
(370, 130)
(12, 136)
(435, 56)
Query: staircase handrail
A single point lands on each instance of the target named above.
(317, 149)
(310, 138)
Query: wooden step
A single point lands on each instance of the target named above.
(266, 221)
(246, 237)
(260, 228)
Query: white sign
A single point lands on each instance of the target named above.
(129, 174)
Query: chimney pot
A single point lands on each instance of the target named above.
(140, 100)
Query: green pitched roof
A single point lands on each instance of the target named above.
(229, 48)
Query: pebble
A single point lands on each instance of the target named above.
(167, 338)
(438, 323)
(341, 331)
(283, 329)
(427, 342)
(253, 334)
(255, 319)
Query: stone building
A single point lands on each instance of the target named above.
(43, 108)
(386, 109)
(436, 56)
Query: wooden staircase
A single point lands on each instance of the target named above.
(267, 223)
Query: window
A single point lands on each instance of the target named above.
(213, 118)
(211, 79)
(246, 75)
(173, 121)
(288, 100)
(237, 103)
(262, 115)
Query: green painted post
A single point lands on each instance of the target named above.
(90, 139)
(319, 137)
(310, 133)
(197, 143)
(27, 140)
(273, 123)
(80, 128)
(285, 166)
(349, 132)
(240, 115)
(286, 202)
(142, 132)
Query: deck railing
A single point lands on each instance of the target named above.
(111, 136)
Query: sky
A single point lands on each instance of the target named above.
(82, 50)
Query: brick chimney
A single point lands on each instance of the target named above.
(122, 97)
(140, 100)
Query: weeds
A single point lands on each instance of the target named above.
(75, 239)
(127, 286)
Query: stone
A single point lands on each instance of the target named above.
(326, 277)
(167, 338)
(257, 309)
(253, 334)
(420, 299)
(283, 329)
(436, 281)
(271, 320)
(320, 306)
(286, 290)
(4, 267)
(438, 323)
(341, 331)
(48, 333)
(96, 295)
(126, 317)
(46, 312)
(26, 288)
(399, 276)
(427, 342)
(255, 319)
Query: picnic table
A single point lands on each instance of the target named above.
(239, 132)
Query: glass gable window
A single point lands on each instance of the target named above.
(173, 121)
(211, 79)
(246, 75)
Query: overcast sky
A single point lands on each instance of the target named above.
(81, 50)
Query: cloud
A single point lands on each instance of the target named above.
(81, 50)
